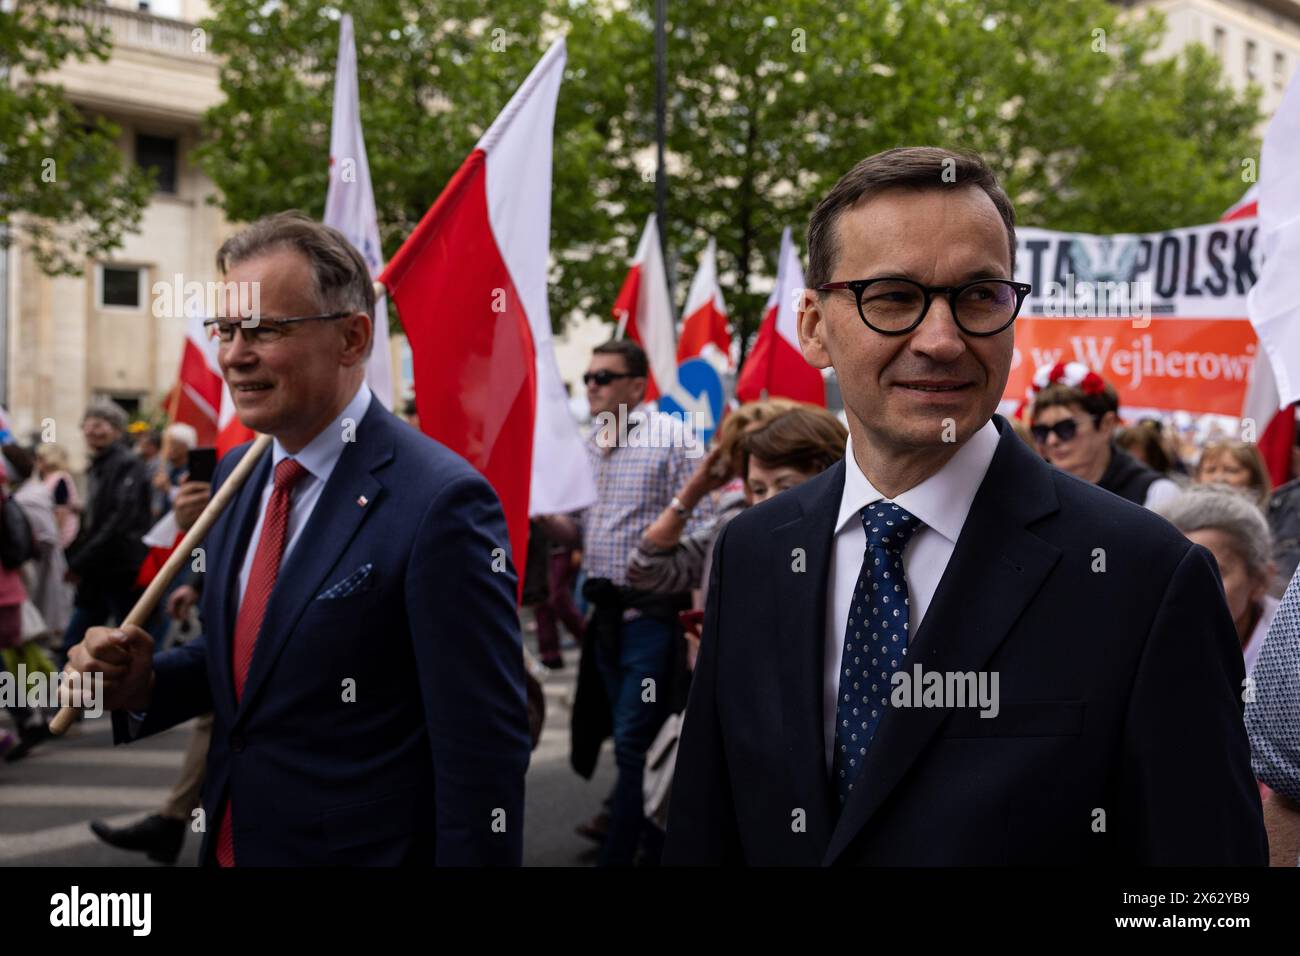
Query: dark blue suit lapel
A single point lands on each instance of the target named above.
(996, 569)
(223, 576)
(800, 640)
(333, 522)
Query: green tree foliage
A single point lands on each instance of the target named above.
(769, 102)
(66, 190)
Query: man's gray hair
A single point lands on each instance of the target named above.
(1227, 510)
(109, 411)
(341, 277)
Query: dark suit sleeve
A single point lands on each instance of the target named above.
(468, 649)
(702, 827)
(1186, 795)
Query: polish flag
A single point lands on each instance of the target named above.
(196, 401)
(775, 365)
(204, 400)
(231, 432)
(1272, 304)
(470, 284)
(196, 396)
(645, 312)
(704, 331)
(1245, 207)
(350, 201)
(1261, 405)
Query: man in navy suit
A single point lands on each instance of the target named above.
(361, 650)
(942, 650)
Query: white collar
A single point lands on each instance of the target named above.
(942, 501)
(322, 453)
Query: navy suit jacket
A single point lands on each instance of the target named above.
(1119, 738)
(427, 764)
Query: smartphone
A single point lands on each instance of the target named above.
(201, 464)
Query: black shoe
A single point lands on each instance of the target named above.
(158, 836)
(29, 737)
(553, 663)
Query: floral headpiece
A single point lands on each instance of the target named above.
(1074, 374)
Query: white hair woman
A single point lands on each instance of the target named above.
(1230, 525)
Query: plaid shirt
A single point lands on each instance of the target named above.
(634, 484)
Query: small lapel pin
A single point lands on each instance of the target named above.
(362, 501)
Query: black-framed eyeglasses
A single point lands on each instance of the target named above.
(893, 305)
(604, 376)
(260, 331)
(1064, 430)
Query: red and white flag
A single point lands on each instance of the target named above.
(1245, 207)
(775, 365)
(350, 201)
(196, 400)
(231, 432)
(704, 330)
(644, 311)
(470, 284)
(204, 400)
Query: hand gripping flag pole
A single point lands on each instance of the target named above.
(148, 601)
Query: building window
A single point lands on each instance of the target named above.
(1251, 66)
(157, 154)
(121, 287)
(1220, 42)
(1279, 70)
(128, 401)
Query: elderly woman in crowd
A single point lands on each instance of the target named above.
(1226, 522)
(1240, 465)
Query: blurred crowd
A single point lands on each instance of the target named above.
(75, 546)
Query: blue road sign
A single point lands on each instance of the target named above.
(699, 391)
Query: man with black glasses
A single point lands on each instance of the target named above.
(942, 651)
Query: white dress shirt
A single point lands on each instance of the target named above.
(1268, 611)
(318, 456)
(941, 503)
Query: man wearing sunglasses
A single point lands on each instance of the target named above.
(360, 652)
(1074, 429)
(630, 645)
(942, 547)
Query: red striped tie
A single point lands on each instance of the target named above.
(257, 594)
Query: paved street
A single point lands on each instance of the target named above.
(47, 798)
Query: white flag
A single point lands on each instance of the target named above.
(350, 202)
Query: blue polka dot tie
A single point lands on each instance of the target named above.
(875, 640)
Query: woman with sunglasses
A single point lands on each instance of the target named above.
(1073, 421)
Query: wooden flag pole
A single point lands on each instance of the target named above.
(148, 601)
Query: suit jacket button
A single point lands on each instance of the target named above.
(237, 743)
